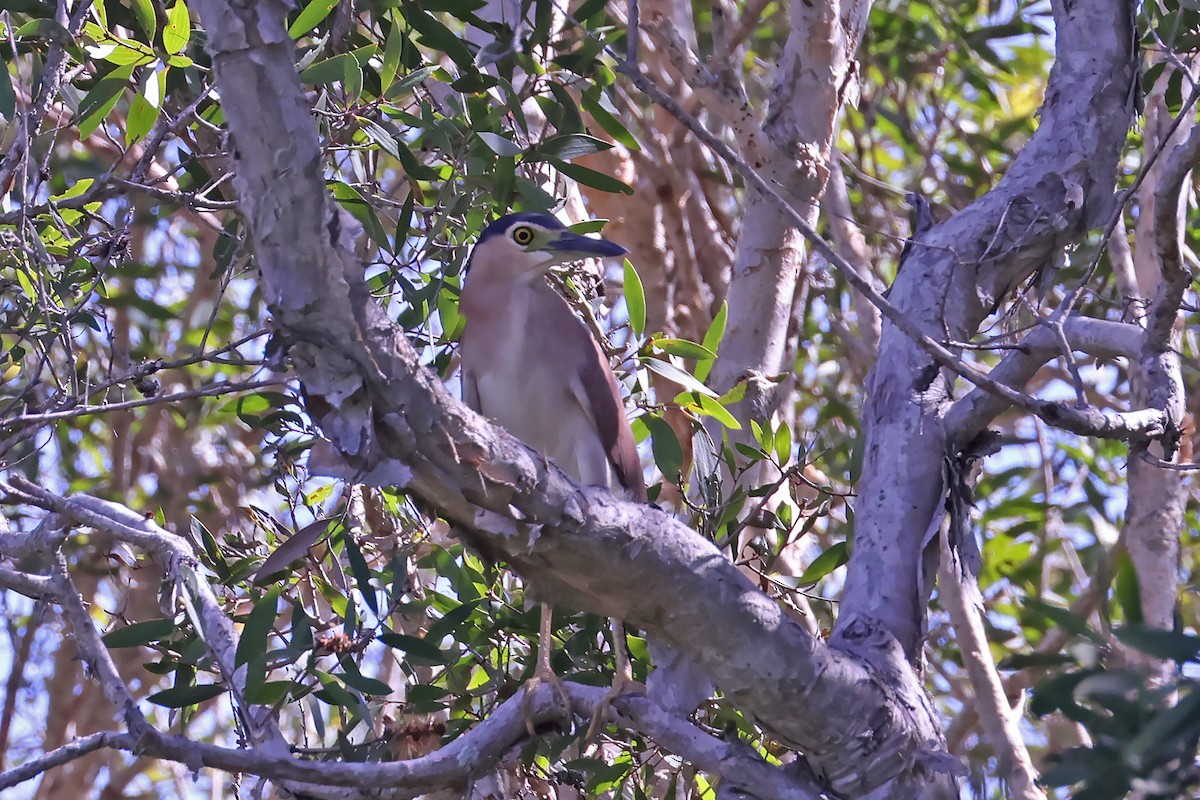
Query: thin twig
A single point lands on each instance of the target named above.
(210, 390)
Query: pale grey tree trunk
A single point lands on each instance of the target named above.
(1060, 185)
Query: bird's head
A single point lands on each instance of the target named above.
(530, 244)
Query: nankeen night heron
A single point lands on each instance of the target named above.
(531, 365)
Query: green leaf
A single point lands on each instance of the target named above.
(1126, 590)
(450, 621)
(350, 199)
(500, 145)
(635, 299)
(712, 340)
(333, 692)
(419, 651)
(8, 95)
(269, 693)
(333, 70)
(252, 643)
(295, 547)
(327, 70)
(45, 28)
(668, 455)
(569, 146)
(352, 81)
(360, 571)
(783, 443)
(101, 100)
(684, 349)
(1169, 730)
(595, 225)
(27, 285)
(139, 633)
(123, 51)
(424, 693)
(364, 684)
(595, 103)
(825, 563)
(713, 408)
(178, 32)
(143, 11)
(592, 178)
(1063, 618)
(437, 36)
(311, 17)
(143, 111)
(216, 558)
(409, 82)
(181, 697)
(679, 376)
(1166, 645)
(1035, 660)
(393, 50)
(140, 120)
(561, 110)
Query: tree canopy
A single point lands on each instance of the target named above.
(904, 333)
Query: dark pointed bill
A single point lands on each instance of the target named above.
(584, 246)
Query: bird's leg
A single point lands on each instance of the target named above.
(623, 682)
(544, 672)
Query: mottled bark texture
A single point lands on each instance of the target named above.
(955, 275)
(1154, 516)
(867, 732)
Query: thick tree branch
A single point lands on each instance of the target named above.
(957, 273)
(474, 753)
(1088, 421)
(578, 545)
(1102, 339)
(722, 91)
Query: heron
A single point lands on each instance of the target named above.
(532, 366)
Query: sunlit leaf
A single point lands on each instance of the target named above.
(677, 375)
(635, 299)
(312, 16)
(101, 100)
(712, 340)
(683, 348)
(178, 31)
(143, 11)
(832, 558)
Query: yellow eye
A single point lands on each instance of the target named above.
(522, 235)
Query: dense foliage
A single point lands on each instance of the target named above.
(139, 366)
